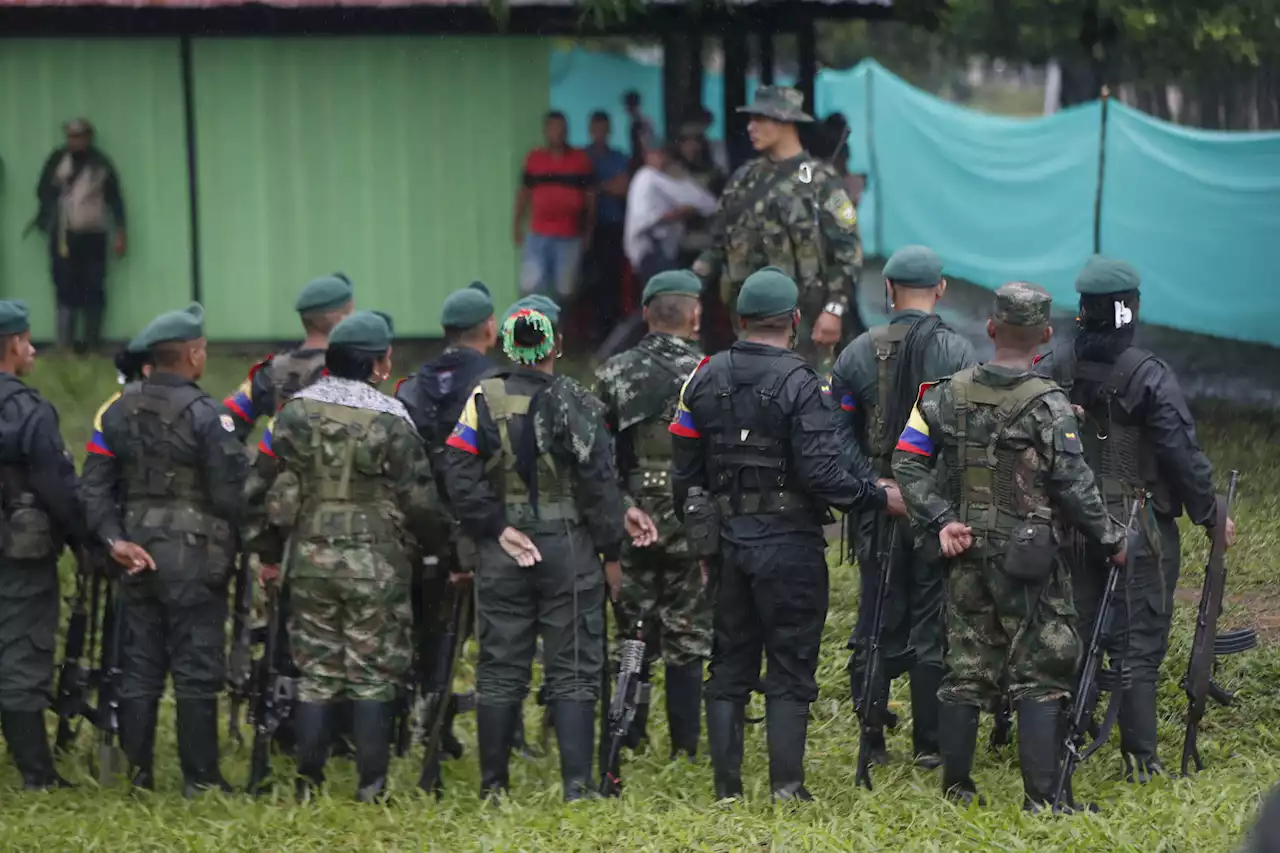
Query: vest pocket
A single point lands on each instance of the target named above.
(1031, 552)
(28, 535)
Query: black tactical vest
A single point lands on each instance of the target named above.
(291, 371)
(749, 447)
(508, 397)
(163, 485)
(28, 532)
(1123, 463)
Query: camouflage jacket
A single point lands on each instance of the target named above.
(568, 425)
(1048, 460)
(346, 435)
(640, 389)
(805, 224)
(270, 383)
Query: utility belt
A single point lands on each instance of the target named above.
(649, 482)
(762, 503)
(555, 510)
(1028, 546)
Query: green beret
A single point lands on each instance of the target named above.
(136, 346)
(539, 303)
(679, 282)
(13, 317)
(1101, 276)
(914, 266)
(482, 287)
(172, 327)
(767, 293)
(465, 308)
(366, 330)
(324, 294)
(1019, 303)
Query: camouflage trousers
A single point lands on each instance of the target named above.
(1006, 635)
(351, 639)
(665, 591)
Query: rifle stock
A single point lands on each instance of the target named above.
(440, 687)
(873, 713)
(71, 673)
(1208, 644)
(622, 710)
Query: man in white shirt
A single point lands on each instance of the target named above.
(658, 202)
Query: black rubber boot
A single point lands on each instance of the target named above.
(371, 731)
(576, 735)
(726, 730)
(66, 331)
(925, 681)
(958, 740)
(198, 747)
(313, 729)
(787, 725)
(138, 740)
(1138, 738)
(1040, 729)
(29, 745)
(495, 725)
(684, 708)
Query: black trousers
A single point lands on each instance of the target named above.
(79, 281)
(602, 279)
(770, 598)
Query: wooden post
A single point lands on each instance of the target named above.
(736, 143)
(681, 75)
(807, 57)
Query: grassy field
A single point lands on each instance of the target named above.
(670, 807)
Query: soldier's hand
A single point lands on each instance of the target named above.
(1231, 531)
(613, 577)
(640, 527)
(955, 539)
(460, 578)
(132, 556)
(895, 506)
(519, 548)
(268, 574)
(1121, 557)
(826, 330)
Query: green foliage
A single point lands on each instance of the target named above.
(669, 807)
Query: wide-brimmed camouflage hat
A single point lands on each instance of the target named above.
(780, 103)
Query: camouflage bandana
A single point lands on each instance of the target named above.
(1019, 303)
(528, 355)
(353, 395)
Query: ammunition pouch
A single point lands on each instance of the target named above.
(647, 482)
(29, 533)
(702, 525)
(1032, 552)
(207, 540)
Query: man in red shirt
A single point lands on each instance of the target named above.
(558, 193)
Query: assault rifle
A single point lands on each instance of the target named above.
(627, 696)
(873, 707)
(1093, 681)
(1208, 643)
(437, 691)
(73, 677)
(240, 660)
(112, 763)
(273, 691)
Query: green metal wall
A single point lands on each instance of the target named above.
(132, 91)
(394, 160)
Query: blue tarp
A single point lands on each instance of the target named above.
(1000, 199)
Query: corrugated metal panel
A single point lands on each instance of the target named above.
(132, 92)
(394, 160)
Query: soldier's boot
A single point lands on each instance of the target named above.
(576, 734)
(726, 729)
(787, 726)
(684, 708)
(312, 727)
(1138, 733)
(340, 730)
(198, 747)
(1040, 729)
(371, 730)
(958, 740)
(138, 740)
(66, 331)
(93, 328)
(925, 681)
(29, 746)
(495, 725)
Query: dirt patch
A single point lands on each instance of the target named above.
(1263, 609)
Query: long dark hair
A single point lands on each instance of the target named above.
(130, 364)
(1097, 337)
(350, 363)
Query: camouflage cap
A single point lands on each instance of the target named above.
(914, 266)
(364, 330)
(767, 293)
(1102, 276)
(780, 103)
(1021, 303)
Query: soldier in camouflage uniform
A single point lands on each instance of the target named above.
(529, 470)
(662, 585)
(875, 383)
(272, 381)
(170, 481)
(789, 210)
(991, 463)
(353, 490)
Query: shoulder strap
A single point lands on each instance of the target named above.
(1125, 368)
(1017, 400)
